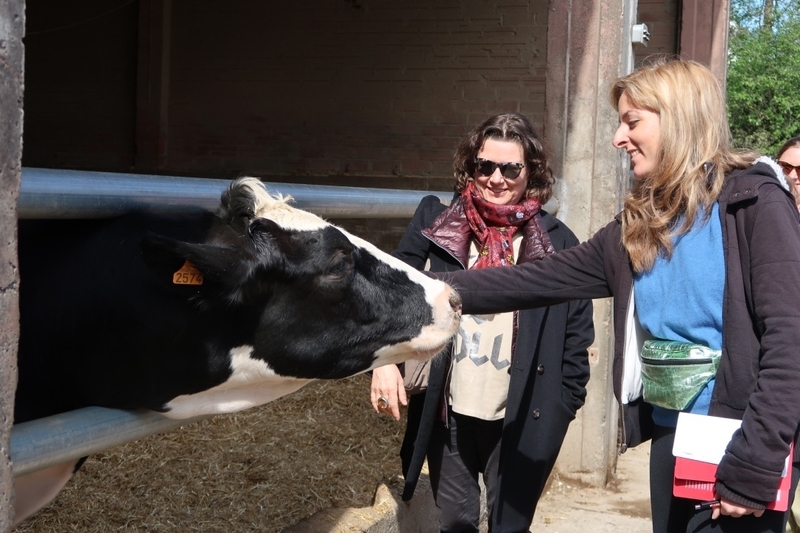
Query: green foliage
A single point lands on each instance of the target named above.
(764, 73)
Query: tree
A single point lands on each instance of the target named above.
(764, 73)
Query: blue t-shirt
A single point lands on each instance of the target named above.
(680, 299)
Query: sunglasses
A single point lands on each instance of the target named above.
(787, 168)
(510, 171)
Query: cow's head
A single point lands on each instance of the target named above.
(324, 303)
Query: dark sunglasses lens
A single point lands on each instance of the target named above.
(510, 171)
(485, 167)
(787, 168)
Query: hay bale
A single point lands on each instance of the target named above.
(266, 468)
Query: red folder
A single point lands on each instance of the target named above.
(695, 480)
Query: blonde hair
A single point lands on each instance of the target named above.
(694, 155)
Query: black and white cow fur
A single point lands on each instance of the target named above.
(286, 298)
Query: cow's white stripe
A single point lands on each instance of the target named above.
(252, 382)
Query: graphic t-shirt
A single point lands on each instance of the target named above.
(482, 360)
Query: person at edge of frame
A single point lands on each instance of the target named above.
(788, 158)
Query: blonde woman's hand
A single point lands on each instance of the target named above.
(387, 384)
(728, 508)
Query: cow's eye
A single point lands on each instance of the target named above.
(340, 267)
(261, 225)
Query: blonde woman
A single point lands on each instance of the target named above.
(705, 252)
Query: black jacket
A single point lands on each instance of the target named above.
(549, 372)
(758, 376)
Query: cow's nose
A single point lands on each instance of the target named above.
(455, 302)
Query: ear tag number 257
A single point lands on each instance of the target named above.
(187, 275)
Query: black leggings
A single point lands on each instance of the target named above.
(677, 515)
(456, 456)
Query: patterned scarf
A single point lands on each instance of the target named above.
(494, 227)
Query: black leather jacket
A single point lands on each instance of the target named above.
(549, 371)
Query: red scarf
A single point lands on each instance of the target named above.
(494, 226)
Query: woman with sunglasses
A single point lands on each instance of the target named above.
(789, 161)
(500, 401)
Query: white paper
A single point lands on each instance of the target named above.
(703, 438)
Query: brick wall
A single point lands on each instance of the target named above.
(362, 88)
(338, 89)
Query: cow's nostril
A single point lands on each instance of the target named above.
(455, 301)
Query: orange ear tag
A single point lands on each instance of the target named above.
(187, 275)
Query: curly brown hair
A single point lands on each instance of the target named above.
(512, 127)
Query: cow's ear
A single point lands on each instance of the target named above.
(171, 259)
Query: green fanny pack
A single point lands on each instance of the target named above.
(674, 373)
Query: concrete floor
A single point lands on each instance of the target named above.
(622, 506)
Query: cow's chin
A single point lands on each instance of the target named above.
(427, 354)
(399, 353)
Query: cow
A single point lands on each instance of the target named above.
(207, 313)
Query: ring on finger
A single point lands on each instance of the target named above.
(383, 403)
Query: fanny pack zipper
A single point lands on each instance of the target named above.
(687, 361)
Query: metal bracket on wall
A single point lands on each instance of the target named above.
(639, 34)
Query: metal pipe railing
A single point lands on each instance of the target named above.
(53, 193)
(68, 436)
